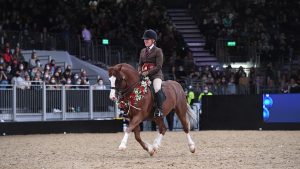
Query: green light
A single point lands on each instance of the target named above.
(231, 43)
(105, 42)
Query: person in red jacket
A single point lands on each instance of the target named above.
(7, 57)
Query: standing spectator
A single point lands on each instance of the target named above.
(293, 87)
(3, 77)
(7, 57)
(18, 55)
(190, 95)
(52, 66)
(222, 87)
(87, 39)
(205, 92)
(243, 84)
(32, 61)
(231, 87)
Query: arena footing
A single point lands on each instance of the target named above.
(52, 127)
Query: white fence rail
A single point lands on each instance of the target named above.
(55, 102)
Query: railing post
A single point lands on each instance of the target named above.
(14, 108)
(106, 55)
(91, 111)
(79, 47)
(63, 99)
(44, 102)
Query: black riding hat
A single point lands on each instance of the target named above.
(150, 34)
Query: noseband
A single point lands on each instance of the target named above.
(122, 93)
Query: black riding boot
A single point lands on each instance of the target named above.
(159, 97)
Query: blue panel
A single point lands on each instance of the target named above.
(281, 108)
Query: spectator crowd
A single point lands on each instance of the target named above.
(270, 25)
(14, 69)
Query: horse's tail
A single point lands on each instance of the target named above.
(191, 117)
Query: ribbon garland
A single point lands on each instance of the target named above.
(136, 95)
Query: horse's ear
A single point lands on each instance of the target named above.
(110, 70)
(119, 67)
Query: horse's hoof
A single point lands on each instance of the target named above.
(122, 147)
(152, 152)
(155, 147)
(192, 148)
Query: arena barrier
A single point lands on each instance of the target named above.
(54, 103)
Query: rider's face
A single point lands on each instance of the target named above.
(148, 42)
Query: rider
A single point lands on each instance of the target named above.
(150, 64)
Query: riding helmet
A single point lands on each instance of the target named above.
(150, 34)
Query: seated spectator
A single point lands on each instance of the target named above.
(37, 83)
(68, 72)
(68, 84)
(52, 84)
(99, 85)
(22, 70)
(27, 82)
(19, 81)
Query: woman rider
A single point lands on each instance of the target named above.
(150, 64)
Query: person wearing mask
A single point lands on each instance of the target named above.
(205, 92)
(150, 64)
(19, 81)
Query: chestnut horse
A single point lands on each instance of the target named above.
(124, 79)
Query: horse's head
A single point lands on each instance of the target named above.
(122, 78)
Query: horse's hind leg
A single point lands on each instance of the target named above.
(181, 113)
(162, 130)
(138, 138)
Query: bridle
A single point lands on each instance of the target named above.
(123, 92)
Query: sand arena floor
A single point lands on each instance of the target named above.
(214, 149)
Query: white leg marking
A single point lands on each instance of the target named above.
(124, 141)
(157, 142)
(150, 149)
(191, 143)
(112, 94)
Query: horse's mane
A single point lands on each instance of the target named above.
(126, 67)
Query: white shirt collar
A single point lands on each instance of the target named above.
(151, 46)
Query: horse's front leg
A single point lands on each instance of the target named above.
(146, 146)
(133, 123)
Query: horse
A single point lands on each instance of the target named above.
(133, 95)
